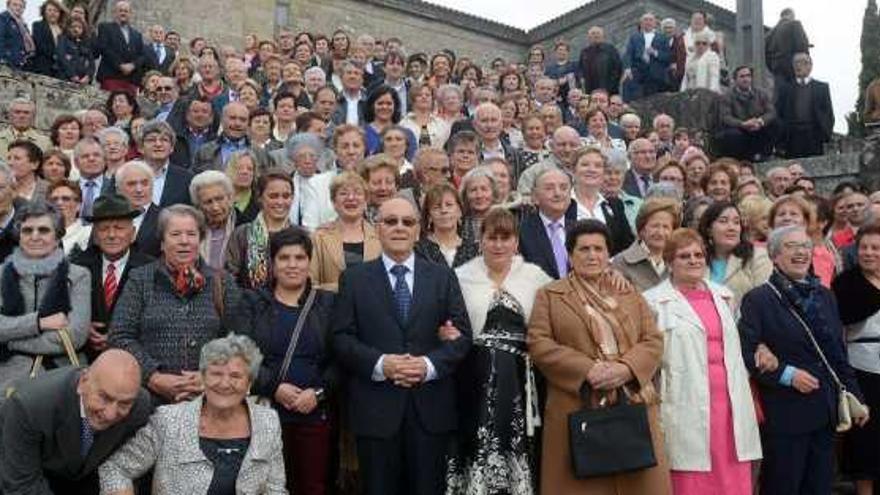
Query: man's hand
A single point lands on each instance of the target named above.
(286, 395)
(448, 332)
(765, 360)
(97, 337)
(167, 385)
(414, 370)
(804, 382)
(392, 365)
(306, 401)
(609, 375)
(627, 74)
(56, 321)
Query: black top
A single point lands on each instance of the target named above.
(226, 455)
(353, 252)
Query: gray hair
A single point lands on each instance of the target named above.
(297, 141)
(669, 21)
(77, 149)
(478, 172)
(133, 166)
(778, 235)
(630, 117)
(156, 127)
(206, 179)
(21, 100)
(180, 210)
(665, 190)
(615, 159)
(222, 350)
(547, 170)
(104, 133)
(315, 70)
(660, 117)
(39, 208)
(443, 90)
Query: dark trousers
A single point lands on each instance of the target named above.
(306, 457)
(798, 464)
(410, 462)
(803, 140)
(744, 145)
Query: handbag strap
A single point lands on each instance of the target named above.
(69, 349)
(294, 338)
(810, 335)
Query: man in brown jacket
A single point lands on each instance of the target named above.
(749, 128)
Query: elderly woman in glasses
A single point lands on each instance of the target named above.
(312, 206)
(40, 294)
(67, 198)
(221, 442)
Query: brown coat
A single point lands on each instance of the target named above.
(328, 258)
(634, 263)
(564, 351)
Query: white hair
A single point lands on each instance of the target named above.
(133, 166)
(209, 178)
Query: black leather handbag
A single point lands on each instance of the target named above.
(610, 440)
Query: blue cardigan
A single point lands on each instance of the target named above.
(12, 51)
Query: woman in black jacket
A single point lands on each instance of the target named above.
(298, 386)
(74, 53)
(47, 32)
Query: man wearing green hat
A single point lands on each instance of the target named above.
(109, 259)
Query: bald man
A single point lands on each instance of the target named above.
(386, 335)
(57, 429)
(564, 143)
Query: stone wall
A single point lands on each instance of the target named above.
(52, 96)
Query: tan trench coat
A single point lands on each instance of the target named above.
(564, 351)
(328, 258)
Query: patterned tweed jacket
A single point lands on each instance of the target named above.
(170, 443)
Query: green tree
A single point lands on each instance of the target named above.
(870, 47)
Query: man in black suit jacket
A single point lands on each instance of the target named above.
(160, 56)
(121, 48)
(134, 180)
(56, 429)
(387, 334)
(643, 160)
(542, 232)
(804, 108)
(109, 260)
(171, 185)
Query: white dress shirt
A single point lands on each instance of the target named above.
(596, 213)
(159, 184)
(120, 267)
(410, 263)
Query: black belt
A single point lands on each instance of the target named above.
(865, 340)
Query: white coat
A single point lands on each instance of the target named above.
(684, 379)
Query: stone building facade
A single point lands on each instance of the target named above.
(422, 26)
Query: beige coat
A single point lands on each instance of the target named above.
(564, 351)
(634, 264)
(741, 278)
(684, 383)
(328, 258)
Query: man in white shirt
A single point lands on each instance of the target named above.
(350, 108)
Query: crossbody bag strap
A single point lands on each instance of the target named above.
(810, 335)
(294, 338)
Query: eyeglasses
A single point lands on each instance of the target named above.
(62, 199)
(42, 230)
(806, 245)
(164, 88)
(407, 222)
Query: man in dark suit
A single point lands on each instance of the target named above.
(643, 161)
(89, 159)
(134, 180)
(171, 186)
(805, 111)
(109, 260)
(389, 318)
(646, 61)
(542, 232)
(783, 41)
(161, 57)
(197, 127)
(600, 63)
(121, 48)
(56, 429)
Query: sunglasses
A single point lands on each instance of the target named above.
(408, 222)
(36, 230)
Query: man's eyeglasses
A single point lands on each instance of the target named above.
(42, 230)
(407, 222)
(164, 88)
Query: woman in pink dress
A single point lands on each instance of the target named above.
(707, 410)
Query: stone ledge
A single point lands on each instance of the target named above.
(53, 97)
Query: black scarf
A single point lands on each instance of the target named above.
(804, 296)
(857, 298)
(56, 299)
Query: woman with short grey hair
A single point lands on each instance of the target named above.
(171, 307)
(616, 165)
(212, 193)
(235, 442)
(479, 192)
(41, 295)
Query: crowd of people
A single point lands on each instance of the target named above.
(321, 265)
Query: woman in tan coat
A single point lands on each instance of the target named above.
(349, 239)
(583, 331)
